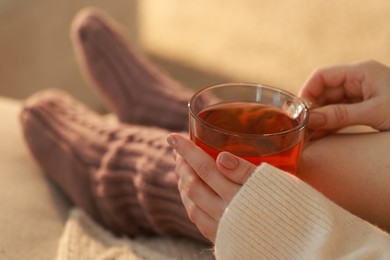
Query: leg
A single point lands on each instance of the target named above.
(132, 87)
(352, 170)
(122, 175)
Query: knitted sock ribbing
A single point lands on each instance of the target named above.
(138, 171)
(122, 175)
(131, 86)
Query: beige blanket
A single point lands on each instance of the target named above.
(84, 239)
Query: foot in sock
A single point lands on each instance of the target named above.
(132, 87)
(121, 175)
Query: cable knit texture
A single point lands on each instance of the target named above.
(121, 175)
(277, 216)
(86, 240)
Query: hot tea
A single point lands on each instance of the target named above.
(262, 129)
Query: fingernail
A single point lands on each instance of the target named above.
(316, 119)
(172, 140)
(228, 161)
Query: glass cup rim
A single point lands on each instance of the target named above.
(297, 128)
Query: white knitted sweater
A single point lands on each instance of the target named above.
(277, 216)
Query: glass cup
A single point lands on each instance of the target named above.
(255, 122)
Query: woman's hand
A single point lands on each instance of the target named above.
(207, 186)
(357, 94)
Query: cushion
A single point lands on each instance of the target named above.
(34, 210)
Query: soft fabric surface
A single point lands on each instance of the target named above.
(84, 239)
(132, 88)
(33, 210)
(122, 175)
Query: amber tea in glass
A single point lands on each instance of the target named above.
(256, 122)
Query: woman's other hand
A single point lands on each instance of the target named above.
(206, 185)
(346, 95)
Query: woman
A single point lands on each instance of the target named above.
(123, 175)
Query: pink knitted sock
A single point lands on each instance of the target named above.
(122, 175)
(131, 86)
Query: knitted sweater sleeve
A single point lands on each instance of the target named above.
(277, 216)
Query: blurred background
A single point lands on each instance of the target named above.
(197, 42)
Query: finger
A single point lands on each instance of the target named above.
(340, 115)
(234, 168)
(199, 193)
(203, 164)
(333, 84)
(321, 79)
(206, 224)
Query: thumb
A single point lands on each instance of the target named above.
(234, 168)
(339, 115)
